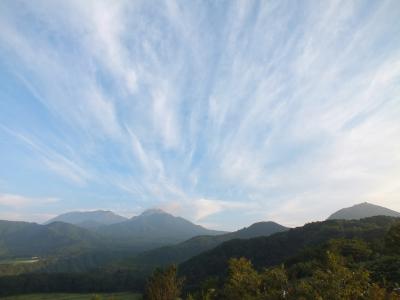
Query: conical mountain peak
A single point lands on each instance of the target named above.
(153, 211)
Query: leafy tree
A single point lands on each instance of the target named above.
(243, 281)
(274, 283)
(334, 281)
(163, 285)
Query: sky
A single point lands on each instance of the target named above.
(223, 112)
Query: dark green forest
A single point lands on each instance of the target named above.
(277, 248)
(364, 266)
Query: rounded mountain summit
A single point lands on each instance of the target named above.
(362, 210)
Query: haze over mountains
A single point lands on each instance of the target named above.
(89, 219)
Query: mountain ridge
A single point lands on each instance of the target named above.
(89, 219)
(156, 225)
(198, 244)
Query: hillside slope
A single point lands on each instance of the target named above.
(273, 250)
(196, 245)
(19, 239)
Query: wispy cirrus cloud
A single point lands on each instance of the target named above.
(269, 107)
(53, 160)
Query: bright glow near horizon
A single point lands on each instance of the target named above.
(223, 112)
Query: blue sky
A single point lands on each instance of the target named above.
(223, 112)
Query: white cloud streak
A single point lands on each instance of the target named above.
(19, 201)
(54, 161)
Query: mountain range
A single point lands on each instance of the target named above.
(155, 226)
(70, 231)
(151, 238)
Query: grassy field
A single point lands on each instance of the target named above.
(115, 296)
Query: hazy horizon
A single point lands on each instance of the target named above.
(225, 113)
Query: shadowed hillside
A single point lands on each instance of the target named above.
(187, 249)
(272, 250)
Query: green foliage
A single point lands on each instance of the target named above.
(385, 269)
(163, 285)
(392, 239)
(243, 281)
(332, 280)
(279, 247)
(365, 267)
(354, 250)
(335, 281)
(274, 283)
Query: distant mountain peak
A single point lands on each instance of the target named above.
(363, 210)
(153, 211)
(82, 218)
(156, 226)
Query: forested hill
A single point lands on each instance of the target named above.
(194, 246)
(273, 250)
(19, 239)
